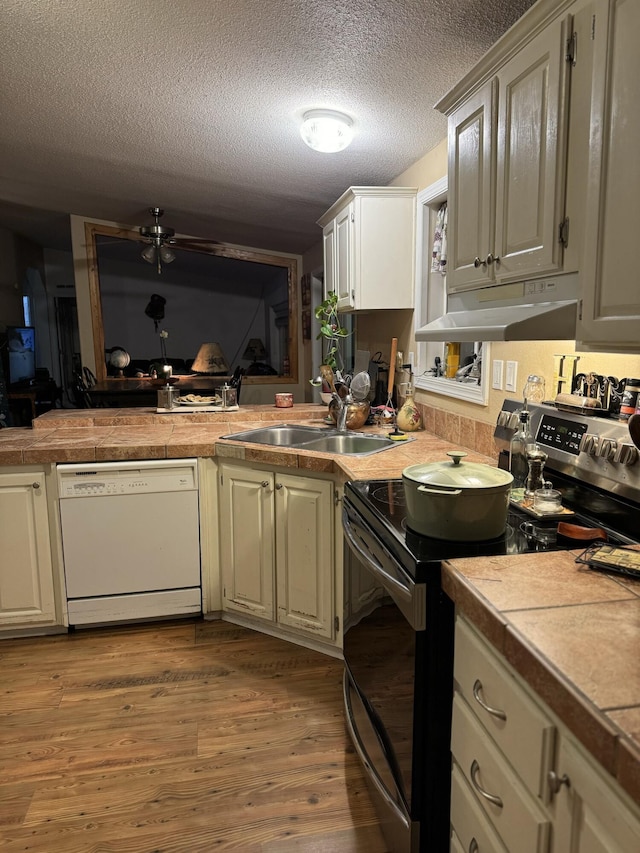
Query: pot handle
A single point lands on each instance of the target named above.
(429, 491)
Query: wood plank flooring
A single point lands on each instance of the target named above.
(177, 738)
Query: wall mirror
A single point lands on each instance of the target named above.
(244, 302)
(431, 303)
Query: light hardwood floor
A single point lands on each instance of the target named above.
(176, 738)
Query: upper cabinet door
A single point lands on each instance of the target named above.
(471, 177)
(344, 261)
(610, 315)
(531, 157)
(507, 167)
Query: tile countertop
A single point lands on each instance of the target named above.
(572, 634)
(105, 435)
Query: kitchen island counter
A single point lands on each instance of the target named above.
(573, 636)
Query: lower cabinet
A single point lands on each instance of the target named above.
(277, 547)
(520, 779)
(26, 571)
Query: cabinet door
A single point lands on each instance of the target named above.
(471, 177)
(329, 253)
(344, 259)
(304, 546)
(26, 572)
(610, 312)
(247, 540)
(530, 157)
(590, 816)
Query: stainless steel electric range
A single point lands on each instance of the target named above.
(398, 637)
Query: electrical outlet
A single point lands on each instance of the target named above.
(512, 376)
(496, 376)
(412, 361)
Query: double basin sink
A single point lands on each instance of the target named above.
(319, 439)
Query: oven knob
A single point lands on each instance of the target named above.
(626, 454)
(588, 444)
(607, 447)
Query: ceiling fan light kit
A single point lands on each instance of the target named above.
(159, 237)
(327, 131)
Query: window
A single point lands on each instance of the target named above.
(431, 302)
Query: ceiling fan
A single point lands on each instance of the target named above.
(160, 238)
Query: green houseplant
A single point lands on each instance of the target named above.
(331, 331)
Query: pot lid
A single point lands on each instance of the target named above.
(456, 474)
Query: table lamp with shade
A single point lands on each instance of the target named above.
(210, 359)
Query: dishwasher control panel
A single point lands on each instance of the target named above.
(102, 479)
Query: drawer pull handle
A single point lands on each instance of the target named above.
(475, 769)
(473, 846)
(478, 262)
(556, 782)
(265, 484)
(35, 485)
(495, 712)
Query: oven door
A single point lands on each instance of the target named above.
(384, 630)
(398, 650)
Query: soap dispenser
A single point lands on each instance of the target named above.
(409, 418)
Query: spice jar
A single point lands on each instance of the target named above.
(534, 389)
(630, 398)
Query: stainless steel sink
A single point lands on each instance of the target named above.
(351, 444)
(315, 438)
(280, 435)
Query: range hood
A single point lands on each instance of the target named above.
(495, 314)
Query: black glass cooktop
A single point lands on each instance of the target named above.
(381, 503)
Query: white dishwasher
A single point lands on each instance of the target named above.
(130, 540)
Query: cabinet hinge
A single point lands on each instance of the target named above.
(563, 232)
(336, 623)
(593, 28)
(579, 309)
(572, 48)
(337, 497)
(221, 479)
(353, 216)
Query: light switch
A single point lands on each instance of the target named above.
(496, 375)
(512, 376)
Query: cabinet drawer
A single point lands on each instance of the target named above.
(485, 682)
(468, 821)
(519, 820)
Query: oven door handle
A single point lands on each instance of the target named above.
(387, 580)
(364, 758)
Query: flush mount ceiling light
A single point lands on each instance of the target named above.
(326, 130)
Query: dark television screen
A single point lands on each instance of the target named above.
(21, 344)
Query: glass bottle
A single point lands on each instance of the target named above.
(521, 441)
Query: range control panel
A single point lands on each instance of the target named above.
(561, 434)
(597, 450)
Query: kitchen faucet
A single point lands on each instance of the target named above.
(343, 410)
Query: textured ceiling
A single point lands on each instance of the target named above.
(111, 106)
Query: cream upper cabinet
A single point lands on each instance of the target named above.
(610, 312)
(277, 548)
(26, 570)
(507, 143)
(369, 248)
